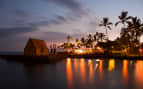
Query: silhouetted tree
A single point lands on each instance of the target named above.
(96, 37)
(89, 41)
(82, 41)
(101, 36)
(136, 28)
(123, 18)
(77, 43)
(106, 24)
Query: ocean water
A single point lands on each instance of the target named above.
(11, 53)
(73, 74)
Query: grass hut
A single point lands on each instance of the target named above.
(36, 47)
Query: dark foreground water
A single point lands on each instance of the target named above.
(73, 74)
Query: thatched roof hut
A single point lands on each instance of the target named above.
(36, 47)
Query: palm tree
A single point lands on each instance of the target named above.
(136, 27)
(96, 37)
(89, 41)
(90, 36)
(77, 41)
(106, 24)
(123, 18)
(82, 41)
(101, 36)
(125, 36)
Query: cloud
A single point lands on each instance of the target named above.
(58, 19)
(73, 6)
(21, 13)
(5, 32)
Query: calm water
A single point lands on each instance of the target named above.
(73, 74)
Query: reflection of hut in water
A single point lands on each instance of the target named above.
(36, 47)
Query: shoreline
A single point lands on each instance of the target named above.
(58, 57)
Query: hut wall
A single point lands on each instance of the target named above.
(29, 52)
(42, 52)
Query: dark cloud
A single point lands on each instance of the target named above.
(5, 32)
(21, 13)
(58, 19)
(74, 6)
(61, 18)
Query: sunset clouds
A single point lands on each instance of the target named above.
(54, 19)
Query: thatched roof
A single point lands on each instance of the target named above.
(38, 43)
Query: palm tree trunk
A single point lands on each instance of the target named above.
(106, 32)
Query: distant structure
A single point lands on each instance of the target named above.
(36, 47)
(53, 49)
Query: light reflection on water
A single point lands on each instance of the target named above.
(111, 65)
(125, 71)
(69, 72)
(90, 69)
(139, 73)
(73, 73)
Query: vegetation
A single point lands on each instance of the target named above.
(129, 39)
(106, 24)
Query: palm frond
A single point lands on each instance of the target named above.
(101, 24)
(129, 24)
(129, 17)
(110, 23)
(109, 27)
(141, 24)
(117, 23)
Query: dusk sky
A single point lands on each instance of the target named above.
(53, 20)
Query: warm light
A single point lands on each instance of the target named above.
(125, 50)
(68, 50)
(83, 70)
(96, 66)
(125, 71)
(101, 69)
(99, 48)
(76, 65)
(78, 51)
(83, 51)
(68, 59)
(82, 60)
(97, 60)
(69, 72)
(139, 72)
(111, 64)
(91, 71)
(89, 61)
(140, 50)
